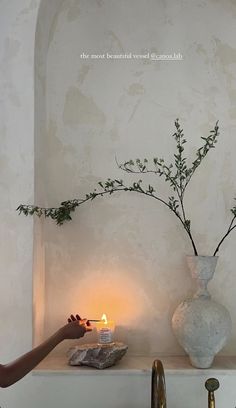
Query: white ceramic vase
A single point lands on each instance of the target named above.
(201, 325)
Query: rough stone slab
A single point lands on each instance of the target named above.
(96, 355)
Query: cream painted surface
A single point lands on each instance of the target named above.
(124, 254)
(17, 28)
(16, 174)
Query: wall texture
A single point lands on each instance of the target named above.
(123, 255)
(17, 173)
(18, 21)
(126, 249)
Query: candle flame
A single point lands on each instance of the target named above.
(104, 318)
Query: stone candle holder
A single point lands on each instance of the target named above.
(96, 355)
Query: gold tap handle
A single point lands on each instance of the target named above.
(158, 397)
(212, 384)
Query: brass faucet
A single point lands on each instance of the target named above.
(158, 393)
(212, 384)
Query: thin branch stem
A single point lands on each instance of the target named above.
(178, 181)
(226, 234)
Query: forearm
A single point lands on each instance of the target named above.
(12, 372)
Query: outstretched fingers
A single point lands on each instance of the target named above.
(77, 317)
(73, 318)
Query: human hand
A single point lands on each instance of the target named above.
(75, 328)
(73, 318)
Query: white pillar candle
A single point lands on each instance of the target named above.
(105, 330)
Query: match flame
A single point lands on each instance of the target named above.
(104, 318)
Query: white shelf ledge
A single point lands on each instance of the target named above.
(131, 365)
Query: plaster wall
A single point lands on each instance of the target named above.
(18, 26)
(16, 174)
(125, 254)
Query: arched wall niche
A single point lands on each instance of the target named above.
(47, 14)
(123, 255)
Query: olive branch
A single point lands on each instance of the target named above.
(178, 175)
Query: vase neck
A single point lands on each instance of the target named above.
(202, 290)
(202, 270)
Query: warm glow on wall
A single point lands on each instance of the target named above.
(116, 294)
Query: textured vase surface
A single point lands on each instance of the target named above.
(201, 325)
